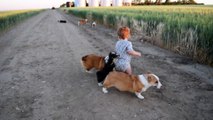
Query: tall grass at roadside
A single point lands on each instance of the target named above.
(9, 18)
(187, 30)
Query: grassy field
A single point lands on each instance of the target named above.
(187, 30)
(9, 18)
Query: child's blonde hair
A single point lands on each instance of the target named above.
(123, 32)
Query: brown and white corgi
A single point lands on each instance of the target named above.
(132, 83)
(91, 61)
(82, 22)
(93, 24)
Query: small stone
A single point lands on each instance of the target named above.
(17, 108)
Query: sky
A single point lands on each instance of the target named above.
(37, 4)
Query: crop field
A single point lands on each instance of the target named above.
(9, 18)
(187, 30)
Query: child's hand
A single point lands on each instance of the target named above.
(139, 54)
(134, 53)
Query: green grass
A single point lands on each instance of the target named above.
(187, 30)
(10, 18)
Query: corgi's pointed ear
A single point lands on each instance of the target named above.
(84, 58)
(112, 53)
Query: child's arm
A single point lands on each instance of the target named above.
(131, 51)
(134, 53)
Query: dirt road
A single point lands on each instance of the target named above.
(41, 77)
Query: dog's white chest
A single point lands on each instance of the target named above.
(144, 81)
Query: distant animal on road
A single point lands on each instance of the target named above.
(82, 22)
(93, 24)
(62, 21)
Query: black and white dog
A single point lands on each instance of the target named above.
(108, 67)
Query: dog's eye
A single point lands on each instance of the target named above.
(156, 81)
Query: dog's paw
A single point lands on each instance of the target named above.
(104, 90)
(87, 71)
(100, 84)
(139, 96)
